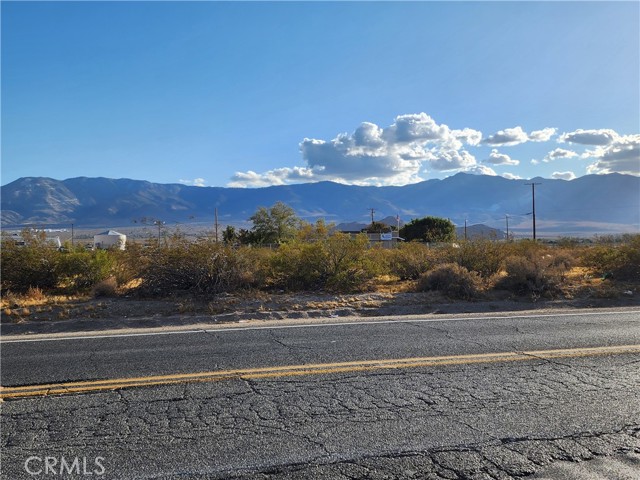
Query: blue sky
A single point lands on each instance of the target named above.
(382, 93)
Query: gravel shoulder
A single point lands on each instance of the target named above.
(251, 308)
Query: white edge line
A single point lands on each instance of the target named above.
(313, 325)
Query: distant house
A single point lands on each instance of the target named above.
(110, 239)
(386, 239)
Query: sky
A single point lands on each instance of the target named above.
(252, 94)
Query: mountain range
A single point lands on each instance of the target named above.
(585, 205)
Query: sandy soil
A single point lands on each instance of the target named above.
(85, 314)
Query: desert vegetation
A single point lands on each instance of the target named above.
(304, 257)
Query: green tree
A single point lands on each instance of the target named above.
(229, 235)
(378, 227)
(429, 229)
(276, 224)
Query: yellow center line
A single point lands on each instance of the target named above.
(301, 370)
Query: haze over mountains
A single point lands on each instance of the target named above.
(587, 205)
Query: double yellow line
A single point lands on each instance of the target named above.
(301, 370)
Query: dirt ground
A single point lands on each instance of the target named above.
(46, 314)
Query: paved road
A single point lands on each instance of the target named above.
(498, 418)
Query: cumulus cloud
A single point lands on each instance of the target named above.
(621, 156)
(372, 155)
(415, 144)
(559, 153)
(278, 176)
(415, 127)
(497, 158)
(563, 175)
(468, 136)
(451, 159)
(481, 170)
(543, 135)
(516, 135)
(511, 176)
(196, 182)
(590, 137)
(507, 137)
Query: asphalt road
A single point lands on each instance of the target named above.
(471, 416)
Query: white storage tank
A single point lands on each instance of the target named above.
(110, 239)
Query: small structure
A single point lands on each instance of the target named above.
(110, 239)
(386, 240)
(54, 242)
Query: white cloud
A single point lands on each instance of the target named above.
(621, 156)
(450, 159)
(415, 144)
(372, 155)
(563, 175)
(516, 135)
(507, 137)
(497, 158)
(481, 170)
(415, 127)
(278, 176)
(543, 135)
(559, 153)
(511, 176)
(590, 137)
(196, 182)
(468, 135)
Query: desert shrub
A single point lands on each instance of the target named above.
(128, 264)
(410, 260)
(482, 256)
(81, 269)
(622, 262)
(349, 265)
(523, 248)
(336, 262)
(451, 279)
(34, 265)
(201, 267)
(534, 274)
(568, 242)
(254, 265)
(106, 288)
(299, 265)
(35, 294)
(562, 259)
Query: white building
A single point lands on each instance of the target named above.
(110, 239)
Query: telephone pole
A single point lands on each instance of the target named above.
(216, 223)
(533, 199)
(465, 228)
(507, 218)
(372, 212)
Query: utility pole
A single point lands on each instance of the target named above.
(533, 199)
(507, 218)
(72, 235)
(372, 212)
(465, 228)
(216, 220)
(159, 224)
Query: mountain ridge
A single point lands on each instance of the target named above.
(589, 203)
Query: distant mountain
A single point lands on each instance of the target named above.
(480, 231)
(593, 203)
